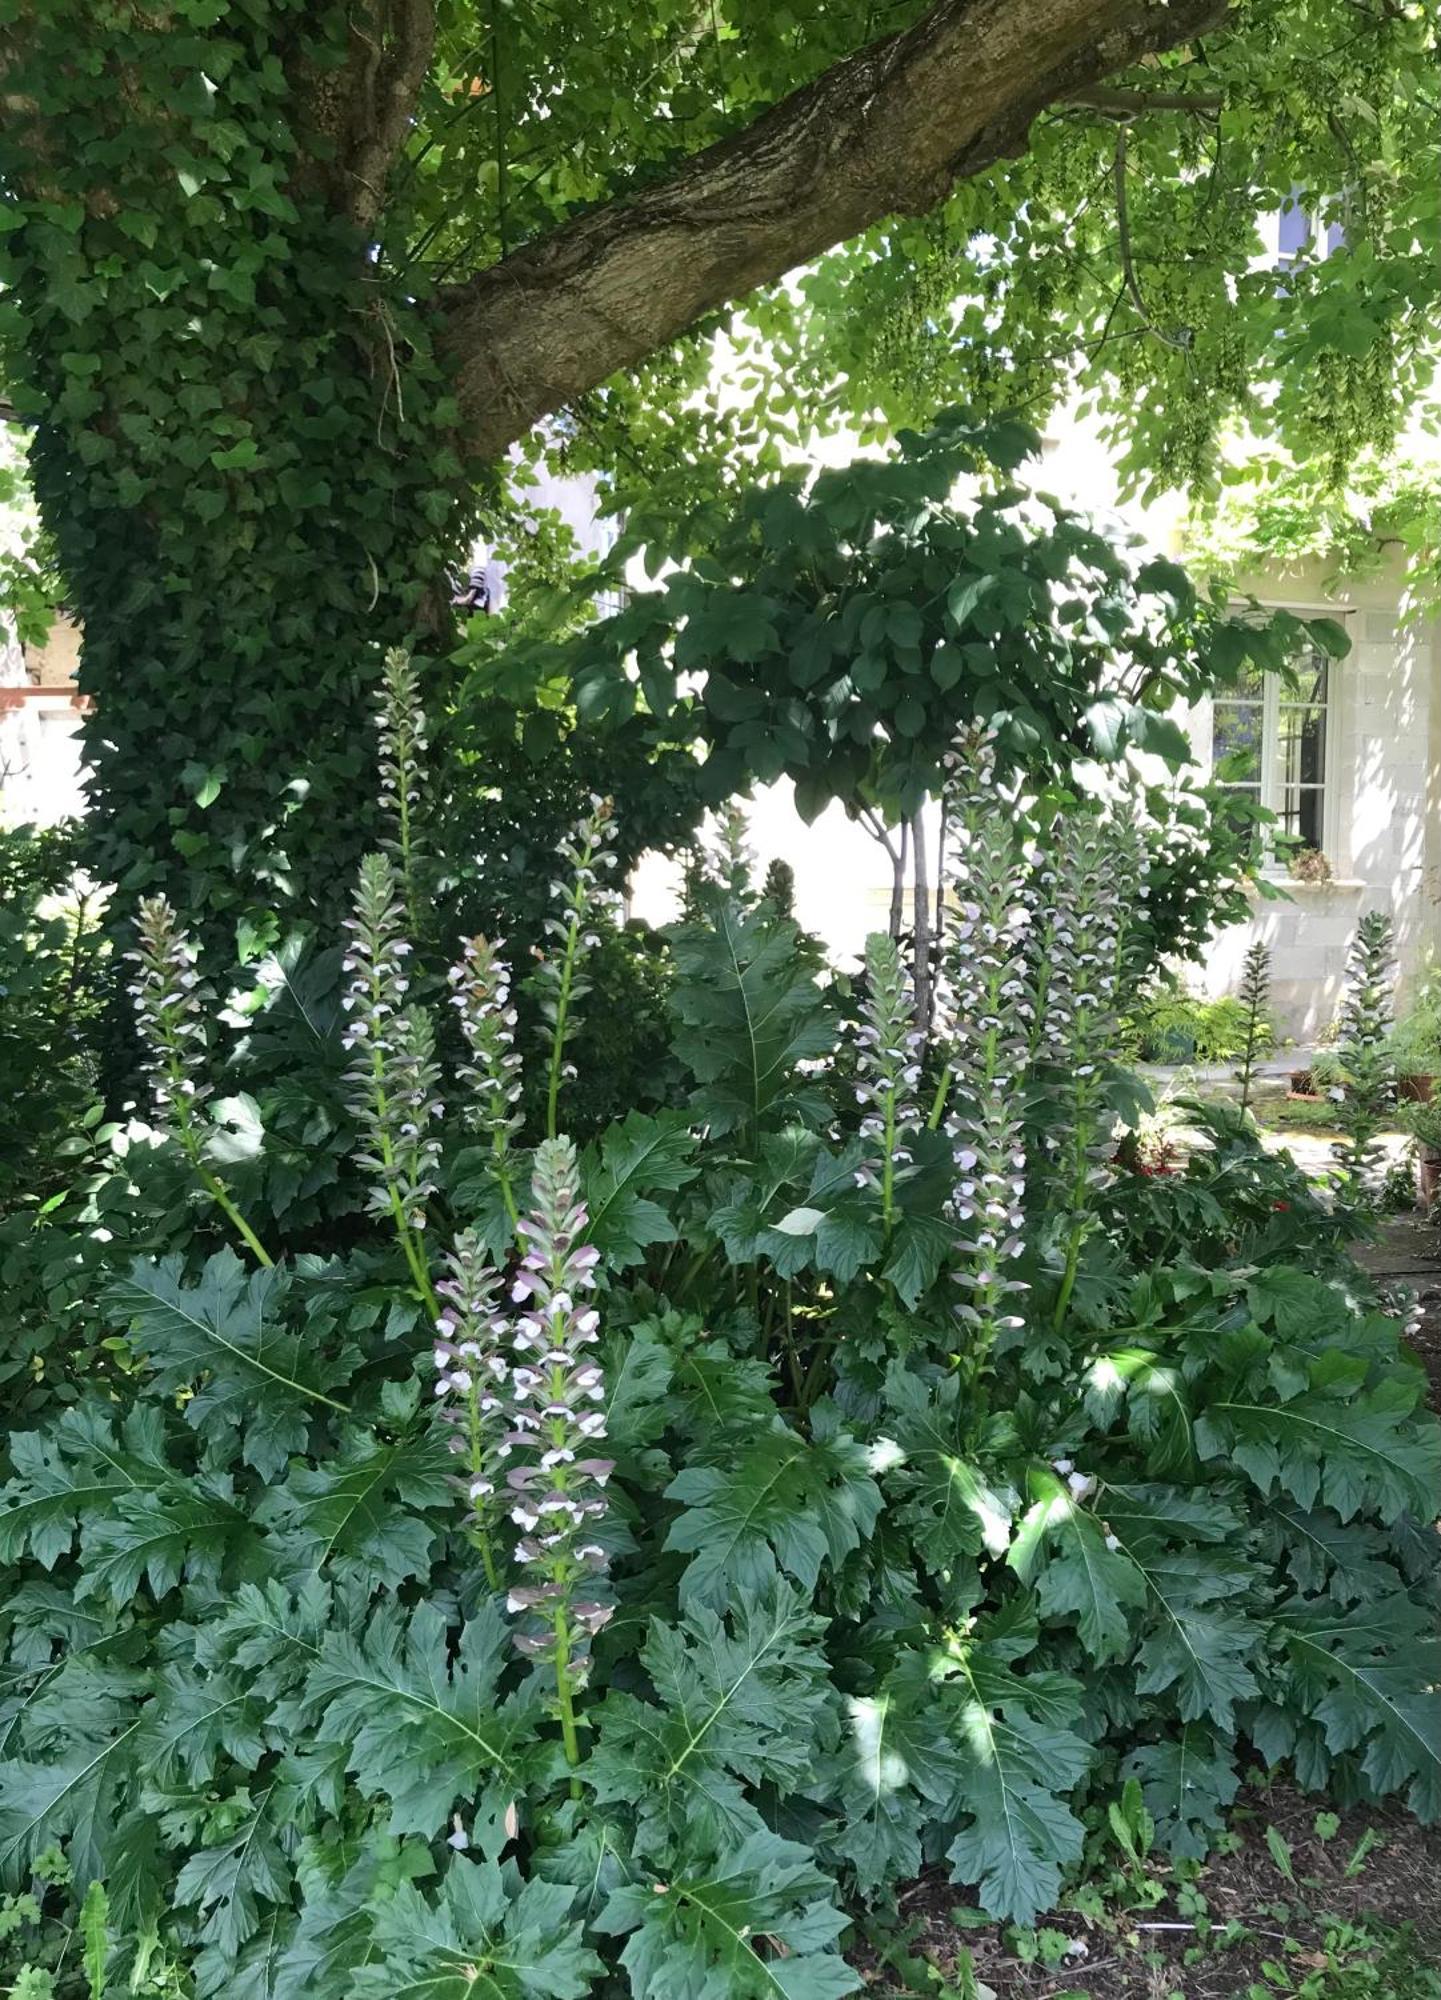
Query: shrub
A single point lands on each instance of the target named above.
(1176, 1027)
(606, 1562)
(51, 952)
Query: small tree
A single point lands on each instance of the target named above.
(1255, 996)
(1368, 1076)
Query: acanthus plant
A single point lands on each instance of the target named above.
(607, 1588)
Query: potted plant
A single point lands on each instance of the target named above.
(1309, 864)
(1422, 1119)
(1416, 1042)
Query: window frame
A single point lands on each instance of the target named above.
(1271, 787)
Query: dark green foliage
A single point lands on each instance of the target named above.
(214, 370)
(256, 1684)
(52, 959)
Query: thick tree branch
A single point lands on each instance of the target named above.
(887, 131)
(363, 110)
(1135, 103)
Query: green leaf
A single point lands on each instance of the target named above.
(1364, 1451)
(780, 1503)
(421, 1725)
(898, 1772)
(756, 1925)
(222, 1340)
(1079, 1577)
(1370, 1682)
(946, 1504)
(634, 1160)
(488, 1935)
(1187, 1782)
(1017, 1765)
(740, 1702)
(1193, 1647)
(353, 1514)
(749, 1011)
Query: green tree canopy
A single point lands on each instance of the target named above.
(282, 280)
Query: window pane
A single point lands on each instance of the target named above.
(1301, 746)
(1302, 813)
(1311, 679)
(1236, 729)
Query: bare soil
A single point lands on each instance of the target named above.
(1252, 1913)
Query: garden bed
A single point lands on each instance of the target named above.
(1362, 1898)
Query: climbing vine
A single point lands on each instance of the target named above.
(246, 456)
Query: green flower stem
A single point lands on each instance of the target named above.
(193, 1146)
(568, 1733)
(500, 1148)
(480, 1538)
(403, 1229)
(938, 1102)
(1077, 1233)
(888, 1166)
(220, 1195)
(562, 1008)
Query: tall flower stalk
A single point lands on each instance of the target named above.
(983, 1004)
(1368, 1073)
(888, 1068)
(1097, 880)
(582, 899)
(481, 994)
(1255, 995)
(557, 1393)
(403, 744)
(394, 1078)
(472, 1383)
(170, 1017)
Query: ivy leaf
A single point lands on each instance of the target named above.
(756, 1925)
(739, 1701)
(634, 1160)
(782, 1503)
(1018, 1761)
(222, 1340)
(486, 1936)
(1187, 1782)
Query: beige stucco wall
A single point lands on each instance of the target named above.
(1383, 813)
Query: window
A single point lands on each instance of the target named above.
(1268, 741)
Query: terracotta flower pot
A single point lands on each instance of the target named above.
(1415, 1089)
(1428, 1175)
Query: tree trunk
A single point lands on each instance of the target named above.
(921, 907)
(246, 461)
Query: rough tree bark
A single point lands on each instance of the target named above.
(888, 131)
